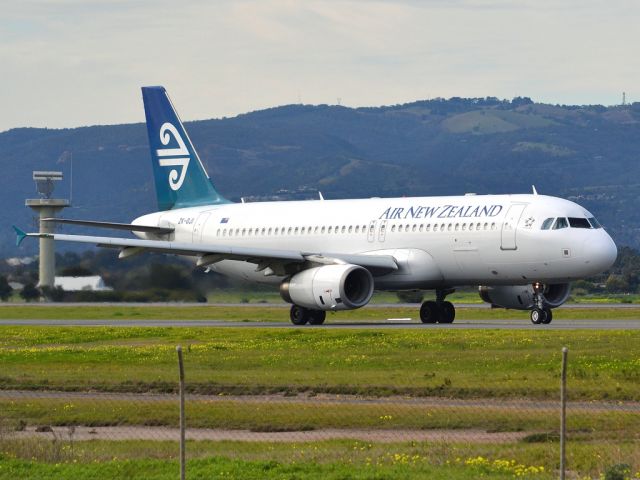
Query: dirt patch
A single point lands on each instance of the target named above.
(165, 433)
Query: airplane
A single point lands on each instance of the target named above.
(522, 250)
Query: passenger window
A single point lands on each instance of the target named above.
(493, 226)
(464, 227)
(393, 228)
(414, 228)
(428, 227)
(579, 222)
(400, 228)
(421, 226)
(435, 227)
(457, 227)
(329, 230)
(546, 225)
(344, 229)
(561, 222)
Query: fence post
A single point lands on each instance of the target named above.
(182, 419)
(563, 413)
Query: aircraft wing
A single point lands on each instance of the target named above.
(273, 259)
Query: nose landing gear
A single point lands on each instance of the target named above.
(541, 313)
(439, 311)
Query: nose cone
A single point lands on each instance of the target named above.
(600, 252)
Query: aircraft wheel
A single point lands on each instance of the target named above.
(299, 315)
(429, 312)
(548, 316)
(317, 317)
(447, 312)
(538, 316)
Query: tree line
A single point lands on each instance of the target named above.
(149, 277)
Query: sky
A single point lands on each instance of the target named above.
(69, 63)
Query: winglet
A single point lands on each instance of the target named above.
(20, 235)
(533, 187)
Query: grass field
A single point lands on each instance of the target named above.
(274, 415)
(342, 459)
(488, 370)
(460, 363)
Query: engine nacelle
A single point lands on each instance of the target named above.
(330, 287)
(521, 297)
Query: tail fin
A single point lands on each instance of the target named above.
(180, 177)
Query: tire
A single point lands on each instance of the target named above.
(317, 317)
(429, 312)
(447, 312)
(538, 316)
(548, 317)
(299, 315)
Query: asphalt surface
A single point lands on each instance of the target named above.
(283, 305)
(501, 324)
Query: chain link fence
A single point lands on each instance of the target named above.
(398, 434)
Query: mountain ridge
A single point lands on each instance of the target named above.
(428, 147)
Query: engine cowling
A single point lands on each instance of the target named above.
(330, 287)
(521, 297)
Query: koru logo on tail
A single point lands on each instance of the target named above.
(173, 157)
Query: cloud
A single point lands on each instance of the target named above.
(76, 62)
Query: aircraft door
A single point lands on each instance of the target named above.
(198, 227)
(509, 226)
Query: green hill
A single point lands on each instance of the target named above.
(588, 154)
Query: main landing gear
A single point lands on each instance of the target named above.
(302, 316)
(439, 311)
(541, 313)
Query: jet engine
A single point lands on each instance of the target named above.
(521, 297)
(330, 287)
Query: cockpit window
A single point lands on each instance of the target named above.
(579, 222)
(546, 225)
(561, 222)
(594, 223)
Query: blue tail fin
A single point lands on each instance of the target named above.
(180, 177)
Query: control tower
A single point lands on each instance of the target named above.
(46, 207)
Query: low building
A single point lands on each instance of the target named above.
(73, 284)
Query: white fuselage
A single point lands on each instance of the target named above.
(437, 241)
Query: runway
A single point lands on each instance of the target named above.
(501, 324)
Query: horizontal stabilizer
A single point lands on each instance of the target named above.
(116, 226)
(20, 235)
